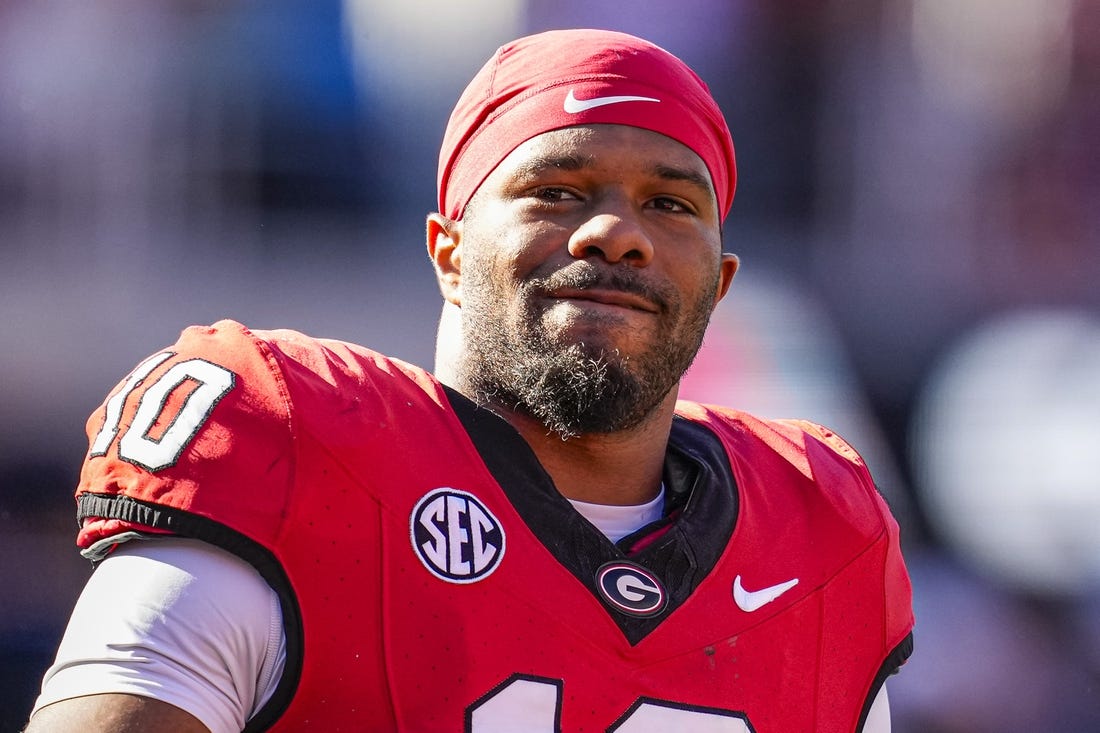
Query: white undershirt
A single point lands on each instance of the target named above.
(177, 620)
(192, 625)
(616, 522)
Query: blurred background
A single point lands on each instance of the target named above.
(918, 217)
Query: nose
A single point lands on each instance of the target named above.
(615, 234)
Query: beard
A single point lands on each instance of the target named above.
(514, 359)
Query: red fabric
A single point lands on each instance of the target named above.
(321, 452)
(521, 93)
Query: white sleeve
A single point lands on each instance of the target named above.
(177, 620)
(878, 719)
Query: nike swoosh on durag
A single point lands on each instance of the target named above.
(749, 601)
(572, 105)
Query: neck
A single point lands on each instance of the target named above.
(620, 468)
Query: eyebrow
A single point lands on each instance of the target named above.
(540, 164)
(695, 178)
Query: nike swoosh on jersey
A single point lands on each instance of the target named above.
(572, 105)
(749, 601)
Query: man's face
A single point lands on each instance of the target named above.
(590, 261)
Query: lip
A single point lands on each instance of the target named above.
(618, 298)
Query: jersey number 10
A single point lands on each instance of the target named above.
(138, 445)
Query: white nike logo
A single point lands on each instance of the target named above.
(749, 601)
(572, 105)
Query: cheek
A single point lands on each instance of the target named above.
(493, 243)
(694, 276)
(513, 263)
(490, 283)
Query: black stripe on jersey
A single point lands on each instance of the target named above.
(700, 510)
(892, 665)
(179, 522)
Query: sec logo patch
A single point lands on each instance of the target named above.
(455, 536)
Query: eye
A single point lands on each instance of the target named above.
(553, 194)
(672, 205)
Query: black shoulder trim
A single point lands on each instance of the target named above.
(894, 660)
(185, 524)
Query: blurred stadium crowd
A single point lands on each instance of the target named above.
(918, 217)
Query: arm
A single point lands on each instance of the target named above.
(114, 713)
(878, 720)
(168, 635)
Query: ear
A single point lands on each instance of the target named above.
(444, 237)
(727, 269)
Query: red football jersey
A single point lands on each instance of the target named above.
(432, 579)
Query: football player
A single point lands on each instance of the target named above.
(295, 533)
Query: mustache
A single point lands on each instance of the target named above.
(583, 276)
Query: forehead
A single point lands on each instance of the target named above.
(615, 147)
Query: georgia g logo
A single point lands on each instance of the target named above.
(631, 589)
(456, 537)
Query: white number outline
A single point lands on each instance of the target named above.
(135, 446)
(113, 408)
(491, 713)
